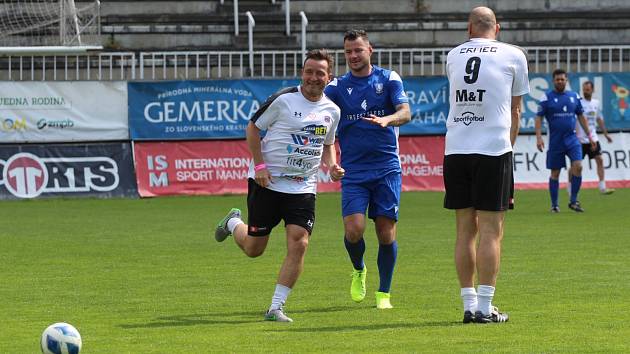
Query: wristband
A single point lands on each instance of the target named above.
(260, 166)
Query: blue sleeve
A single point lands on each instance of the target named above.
(578, 107)
(331, 92)
(542, 108)
(397, 93)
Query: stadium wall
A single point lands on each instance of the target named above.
(186, 137)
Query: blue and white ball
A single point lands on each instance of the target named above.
(61, 338)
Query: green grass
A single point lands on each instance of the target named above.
(146, 276)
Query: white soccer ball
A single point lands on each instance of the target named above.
(61, 338)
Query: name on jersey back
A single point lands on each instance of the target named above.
(467, 50)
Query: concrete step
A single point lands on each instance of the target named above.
(255, 6)
(131, 8)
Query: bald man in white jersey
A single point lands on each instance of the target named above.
(487, 80)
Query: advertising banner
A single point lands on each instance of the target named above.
(220, 167)
(192, 167)
(428, 101)
(86, 170)
(422, 159)
(611, 89)
(42, 112)
(530, 171)
(179, 110)
(221, 109)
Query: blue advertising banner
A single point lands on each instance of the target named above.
(428, 98)
(611, 89)
(86, 170)
(175, 110)
(185, 110)
(428, 101)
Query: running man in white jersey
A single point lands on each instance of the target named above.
(300, 123)
(593, 113)
(487, 80)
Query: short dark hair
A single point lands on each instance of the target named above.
(320, 54)
(589, 82)
(558, 72)
(354, 34)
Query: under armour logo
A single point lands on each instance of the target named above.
(349, 90)
(309, 223)
(555, 100)
(564, 108)
(297, 114)
(364, 105)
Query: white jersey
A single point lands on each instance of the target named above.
(483, 76)
(297, 130)
(592, 111)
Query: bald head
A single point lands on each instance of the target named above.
(482, 23)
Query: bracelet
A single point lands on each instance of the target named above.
(260, 166)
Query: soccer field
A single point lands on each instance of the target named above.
(146, 276)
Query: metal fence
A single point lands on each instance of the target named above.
(278, 64)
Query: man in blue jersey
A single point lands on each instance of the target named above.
(561, 107)
(373, 105)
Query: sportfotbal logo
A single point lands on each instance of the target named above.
(27, 176)
(468, 117)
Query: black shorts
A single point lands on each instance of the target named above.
(478, 181)
(265, 209)
(586, 150)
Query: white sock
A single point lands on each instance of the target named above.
(469, 297)
(485, 293)
(233, 223)
(279, 297)
(602, 185)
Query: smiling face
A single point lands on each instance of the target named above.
(358, 52)
(315, 77)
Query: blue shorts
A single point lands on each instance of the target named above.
(378, 193)
(556, 160)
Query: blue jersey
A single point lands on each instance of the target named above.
(366, 146)
(561, 110)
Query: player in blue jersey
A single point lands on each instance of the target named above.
(561, 107)
(373, 105)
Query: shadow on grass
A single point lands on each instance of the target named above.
(225, 317)
(371, 327)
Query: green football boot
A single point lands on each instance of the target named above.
(382, 301)
(357, 288)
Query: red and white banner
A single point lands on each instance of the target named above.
(422, 161)
(191, 167)
(220, 167)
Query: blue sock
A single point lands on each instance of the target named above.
(355, 251)
(576, 183)
(554, 185)
(386, 261)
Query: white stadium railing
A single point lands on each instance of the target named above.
(200, 65)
